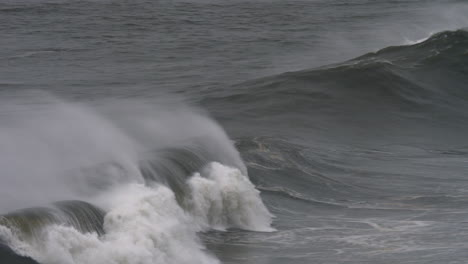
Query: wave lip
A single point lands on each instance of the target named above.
(447, 47)
(29, 223)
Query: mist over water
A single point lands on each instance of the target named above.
(113, 154)
(54, 150)
(205, 131)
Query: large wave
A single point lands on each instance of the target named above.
(401, 99)
(409, 76)
(395, 93)
(141, 180)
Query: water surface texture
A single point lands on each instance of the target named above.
(243, 131)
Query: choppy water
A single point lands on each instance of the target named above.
(206, 131)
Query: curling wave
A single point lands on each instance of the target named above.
(144, 181)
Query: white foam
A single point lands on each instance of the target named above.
(225, 198)
(9, 237)
(145, 226)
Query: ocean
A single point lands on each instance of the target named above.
(237, 132)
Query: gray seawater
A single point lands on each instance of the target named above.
(360, 160)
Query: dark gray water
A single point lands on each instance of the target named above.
(348, 116)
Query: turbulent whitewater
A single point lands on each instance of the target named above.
(150, 182)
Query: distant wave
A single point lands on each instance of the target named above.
(432, 73)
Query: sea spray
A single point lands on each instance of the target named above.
(122, 157)
(53, 150)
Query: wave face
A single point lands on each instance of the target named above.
(400, 76)
(416, 86)
(399, 101)
(366, 157)
(144, 179)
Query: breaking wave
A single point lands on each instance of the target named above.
(127, 184)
